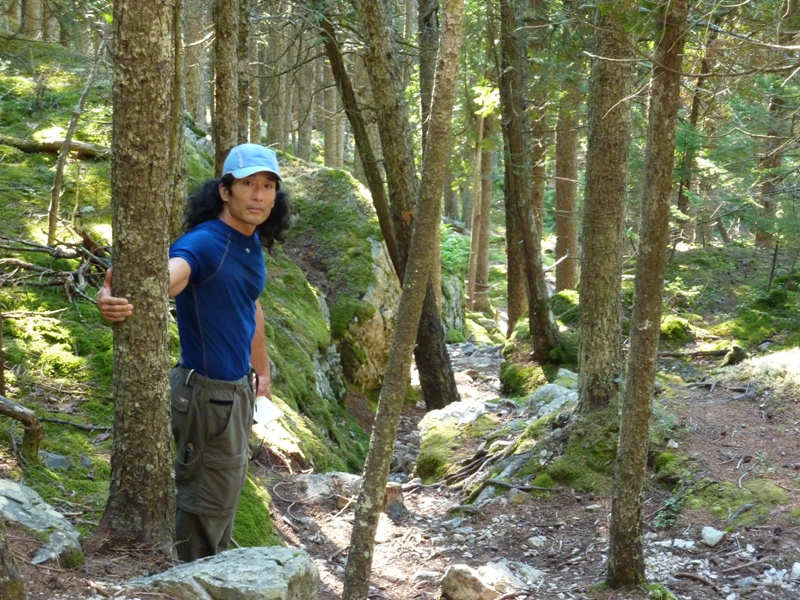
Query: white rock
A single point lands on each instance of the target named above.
(795, 574)
(672, 444)
(461, 582)
(537, 541)
(712, 537)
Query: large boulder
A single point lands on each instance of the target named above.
(272, 573)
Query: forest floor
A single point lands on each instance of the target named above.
(728, 435)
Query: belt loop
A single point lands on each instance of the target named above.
(188, 377)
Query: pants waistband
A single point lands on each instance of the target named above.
(192, 378)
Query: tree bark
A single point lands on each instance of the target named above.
(481, 292)
(567, 187)
(243, 45)
(599, 351)
(177, 140)
(226, 84)
(626, 566)
(543, 329)
(141, 195)
(12, 586)
(423, 245)
(194, 16)
(33, 428)
(475, 225)
(432, 360)
(32, 18)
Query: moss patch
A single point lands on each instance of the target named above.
(443, 447)
(253, 526)
(723, 499)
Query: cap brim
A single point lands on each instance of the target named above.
(247, 171)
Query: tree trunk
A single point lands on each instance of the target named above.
(12, 587)
(599, 352)
(55, 191)
(567, 187)
(177, 142)
(543, 329)
(626, 566)
(141, 194)
(423, 245)
(432, 360)
(243, 46)
(428, 36)
(481, 292)
(516, 294)
(194, 17)
(32, 18)
(226, 85)
(475, 225)
(305, 102)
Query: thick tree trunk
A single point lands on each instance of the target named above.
(12, 586)
(543, 329)
(141, 195)
(516, 287)
(305, 102)
(195, 19)
(423, 245)
(226, 86)
(567, 187)
(626, 566)
(600, 352)
(32, 18)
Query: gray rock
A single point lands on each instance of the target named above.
(506, 575)
(712, 537)
(320, 487)
(22, 505)
(461, 582)
(272, 573)
(795, 574)
(55, 462)
(551, 398)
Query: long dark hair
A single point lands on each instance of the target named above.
(205, 204)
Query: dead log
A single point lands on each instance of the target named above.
(81, 149)
(33, 428)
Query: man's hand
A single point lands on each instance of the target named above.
(112, 309)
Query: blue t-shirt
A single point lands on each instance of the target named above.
(216, 310)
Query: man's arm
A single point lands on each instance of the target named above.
(116, 309)
(259, 359)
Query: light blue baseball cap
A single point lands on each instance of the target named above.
(245, 159)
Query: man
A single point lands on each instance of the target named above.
(216, 274)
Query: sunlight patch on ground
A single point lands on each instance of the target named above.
(780, 370)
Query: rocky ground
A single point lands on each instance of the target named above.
(731, 434)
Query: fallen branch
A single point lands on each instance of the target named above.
(522, 488)
(693, 353)
(82, 149)
(710, 584)
(33, 428)
(78, 425)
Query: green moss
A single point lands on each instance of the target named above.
(656, 591)
(565, 305)
(676, 331)
(253, 526)
(454, 336)
(725, 498)
(442, 447)
(588, 459)
(518, 380)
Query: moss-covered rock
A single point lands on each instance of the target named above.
(337, 242)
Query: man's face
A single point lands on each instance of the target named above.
(249, 202)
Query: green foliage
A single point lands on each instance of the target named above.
(565, 306)
(668, 515)
(722, 500)
(455, 251)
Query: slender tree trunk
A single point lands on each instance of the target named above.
(567, 187)
(177, 142)
(516, 286)
(481, 292)
(61, 162)
(305, 103)
(141, 194)
(423, 245)
(600, 352)
(543, 329)
(626, 566)
(226, 85)
(475, 225)
(243, 45)
(194, 17)
(432, 360)
(254, 99)
(32, 18)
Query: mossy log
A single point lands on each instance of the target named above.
(33, 428)
(82, 149)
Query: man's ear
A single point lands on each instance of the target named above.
(223, 192)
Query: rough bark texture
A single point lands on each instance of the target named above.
(543, 329)
(177, 129)
(32, 18)
(599, 352)
(33, 430)
(428, 35)
(423, 245)
(12, 587)
(516, 294)
(140, 507)
(626, 566)
(475, 225)
(195, 19)
(226, 86)
(567, 187)
(432, 360)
